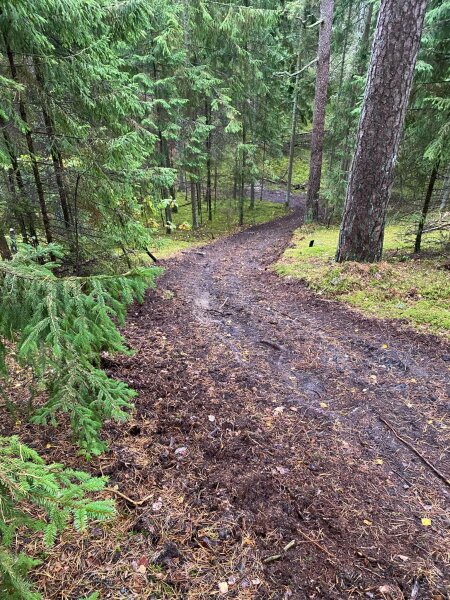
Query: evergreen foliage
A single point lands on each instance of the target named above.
(39, 497)
(60, 326)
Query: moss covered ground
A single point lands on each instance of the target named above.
(403, 286)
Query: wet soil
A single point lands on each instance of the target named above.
(278, 434)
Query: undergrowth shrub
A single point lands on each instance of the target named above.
(59, 327)
(39, 497)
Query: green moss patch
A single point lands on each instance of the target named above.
(402, 286)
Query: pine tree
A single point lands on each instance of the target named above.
(387, 92)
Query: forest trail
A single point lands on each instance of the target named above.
(264, 417)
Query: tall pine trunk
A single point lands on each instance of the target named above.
(388, 87)
(320, 101)
(194, 205)
(426, 206)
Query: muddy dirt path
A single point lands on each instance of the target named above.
(279, 433)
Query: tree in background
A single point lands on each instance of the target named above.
(320, 101)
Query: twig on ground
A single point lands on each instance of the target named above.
(319, 546)
(271, 344)
(130, 500)
(416, 452)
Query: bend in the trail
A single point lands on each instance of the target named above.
(292, 414)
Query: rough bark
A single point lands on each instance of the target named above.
(359, 68)
(394, 52)
(426, 206)
(320, 101)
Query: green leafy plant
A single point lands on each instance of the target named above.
(60, 327)
(39, 497)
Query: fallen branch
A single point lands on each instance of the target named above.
(319, 546)
(417, 453)
(130, 500)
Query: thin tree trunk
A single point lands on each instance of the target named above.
(199, 201)
(242, 178)
(426, 206)
(31, 151)
(194, 205)
(388, 88)
(320, 101)
(57, 160)
(5, 252)
(215, 184)
(23, 205)
(263, 171)
(252, 195)
(293, 126)
(445, 191)
(208, 163)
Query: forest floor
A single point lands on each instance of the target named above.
(275, 447)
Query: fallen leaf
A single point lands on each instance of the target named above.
(385, 346)
(378, 461)
(367, 522)
(403, 557)
(323, 404)
(278, 410)
(223, 587)
(426, 521)
(211, 418)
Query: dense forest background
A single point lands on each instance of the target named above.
(131, 127)
(114, 113)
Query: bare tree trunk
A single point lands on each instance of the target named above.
(320, 101)
(263, 171)
(5, 252)
(57, 160)
(293, 126)
(31, 151)
(445, 191)
(388, 87)
(215, 184)
(426, 206)
(194, 205)
(359, 69)
(23, 208)
(208, 163)
(252, 195)
(242, 176)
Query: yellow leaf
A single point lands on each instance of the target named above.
(367, 522)
(426, 521)
(385, 346)
(323, 404)
(378, 461)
